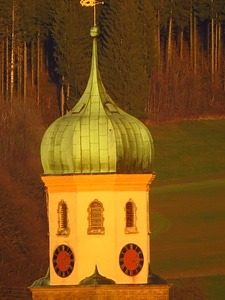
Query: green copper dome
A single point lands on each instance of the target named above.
(96, 136)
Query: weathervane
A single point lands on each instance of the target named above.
(91, 3)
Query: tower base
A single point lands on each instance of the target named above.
(104, 292)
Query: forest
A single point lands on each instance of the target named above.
(162, 61)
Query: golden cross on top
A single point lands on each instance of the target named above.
(91, 3)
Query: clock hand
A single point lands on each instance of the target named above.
(134, 259)
(65, 256)
(65, 263)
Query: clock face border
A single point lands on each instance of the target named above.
(63, 261)
(131, 259)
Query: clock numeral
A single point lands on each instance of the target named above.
(54, 262)
(70, 269)
(139, 266)
(135, 272)
(140, 254)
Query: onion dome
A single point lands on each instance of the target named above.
(96, 136)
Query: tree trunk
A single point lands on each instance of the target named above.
(181, 43)
(7, 64)
(67, 96)
(169, 43)
(62, 100)
(193, 39)
(12, 57)
(158, 36)
(191, 35)
(212, 50)
(38, 68)
(219, 47)
(2, 68)
(24, 71)
(32, 55)
(19, 71)
(195, 45)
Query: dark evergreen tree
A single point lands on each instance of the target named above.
(72, 45)
(128, 49)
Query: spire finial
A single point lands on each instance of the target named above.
(91, 3)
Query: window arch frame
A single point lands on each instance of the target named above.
(130, 217)
(63, 227)
(95, 218)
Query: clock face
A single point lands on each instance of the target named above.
(131, 259)
(63, 261)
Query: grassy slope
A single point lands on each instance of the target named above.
(187, 201)
(194, 241)
(189, 149)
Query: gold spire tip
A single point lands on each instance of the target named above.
(90, 2)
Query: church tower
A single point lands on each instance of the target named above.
(97, 162)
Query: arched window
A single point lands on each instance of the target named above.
(95, 218)
(62, 218)
(130, 211)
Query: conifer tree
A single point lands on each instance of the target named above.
(127, 52)
(70, 32)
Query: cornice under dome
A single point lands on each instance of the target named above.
(96, 136)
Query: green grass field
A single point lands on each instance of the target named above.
(188, 204)
(189, 149)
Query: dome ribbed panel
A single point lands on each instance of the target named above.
(133, 143)
(56, 141)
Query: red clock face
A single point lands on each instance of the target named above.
(63, 261)
(131, 259)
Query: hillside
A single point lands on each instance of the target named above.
(187, 208)
(189, 150)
